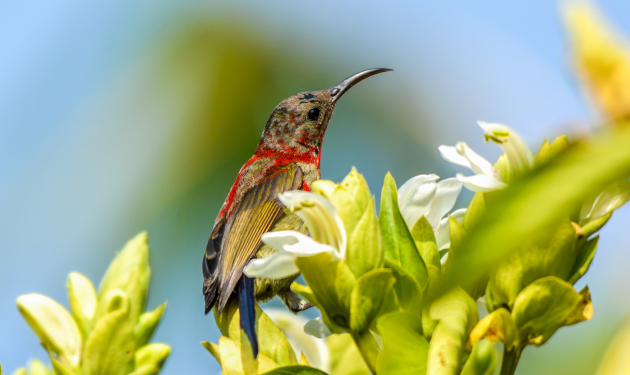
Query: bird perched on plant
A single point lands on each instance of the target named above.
(287, 158)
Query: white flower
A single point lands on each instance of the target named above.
(520, 156)
(294, 327)
(486, 177)
(613, 197)
(324, 225)
(423, 196)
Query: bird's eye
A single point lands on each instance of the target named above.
(313, 114)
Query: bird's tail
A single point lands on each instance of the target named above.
(247, 310)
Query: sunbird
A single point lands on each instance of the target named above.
(287, 158)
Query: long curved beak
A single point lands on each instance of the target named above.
(340, 89)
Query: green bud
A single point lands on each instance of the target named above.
(405, 349)
(546, 305)
(36, 367)
(398, 244)
(82, 300)
(325, 188)
(503, 168)
(498, 326)
(549, 152)
(456, 314)
(150, 358)
(20, 371)
(147, 324)
(354, 183)
(368, 297)
(554, 256)
(332, 288)
(54, 326)
(130, 272)
(482, 360)
(111, 345)
(365, 251)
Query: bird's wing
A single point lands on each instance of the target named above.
(255, 214)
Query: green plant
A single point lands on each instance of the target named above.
(106, 332)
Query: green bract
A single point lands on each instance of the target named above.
(106, 333)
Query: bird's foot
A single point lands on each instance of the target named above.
(294, 302)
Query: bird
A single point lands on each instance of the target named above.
(287, 158)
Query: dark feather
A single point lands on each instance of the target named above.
(209, 266)
(247, 310)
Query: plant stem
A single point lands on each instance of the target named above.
(510, 360)
(368, 348)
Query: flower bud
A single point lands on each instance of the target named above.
(130, 272)
(82, 299)
(54, 326)
(150, 358)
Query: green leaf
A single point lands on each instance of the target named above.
(82, 299)
(408, 291)
(398, 244)
(345, 359)
(295, 370)
(54, 326)
(424, 238)
(586, 253)
(368, 297)
(546, 305)
(456, 313)
(332, 288)
(535, 205)
(131, 273)
(592, 226)
(150, 359)
(147, 324)
(482, 360)
(110, 348)
(365, 251)
(271, 341)
(405, 349)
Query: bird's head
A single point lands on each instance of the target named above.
(298, 124)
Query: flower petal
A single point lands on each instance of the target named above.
(444, 200)
(290, 245)
(276, 266)
(443, 232)
(294, 327)
(319, 215)
(406, 190)
(415, 197)
(516, 149)
(452, 155)
(480, 183)
(479, 165)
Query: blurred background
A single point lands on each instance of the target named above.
(122, 116)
